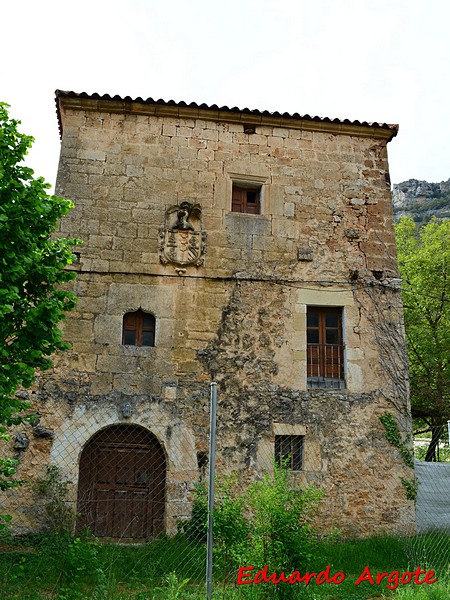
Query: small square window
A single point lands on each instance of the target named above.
(289, 451)
(138, 329)
(246, 198)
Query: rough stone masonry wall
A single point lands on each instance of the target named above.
(241, 317)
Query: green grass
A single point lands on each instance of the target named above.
(52, 567)
(438, 591)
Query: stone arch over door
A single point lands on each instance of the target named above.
(122, 484)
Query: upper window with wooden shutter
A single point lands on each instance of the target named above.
(138, 329)
(246, 198)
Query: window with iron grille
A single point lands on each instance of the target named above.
(246, 199)
(138, 329)
(325, 348)
(289, 451)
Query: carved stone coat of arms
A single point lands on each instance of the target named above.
(182, 240)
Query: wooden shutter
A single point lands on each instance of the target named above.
(138, 329)
(325, 350)
(246, 200)
(129, 329)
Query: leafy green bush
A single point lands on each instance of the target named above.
(5, 527)
(281, 521)
(231, 523)
(82, 564)
(266, 522)
(54, 489)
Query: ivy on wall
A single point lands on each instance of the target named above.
(393, 436)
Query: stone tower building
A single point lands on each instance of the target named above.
(253, 248)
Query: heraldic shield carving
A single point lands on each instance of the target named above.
(182, 240)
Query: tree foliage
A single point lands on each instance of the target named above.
(32, 269)
(424, 261)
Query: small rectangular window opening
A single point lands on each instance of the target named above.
(246, 198)
(138, 329)
(289, 451)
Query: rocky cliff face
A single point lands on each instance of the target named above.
(421, 200)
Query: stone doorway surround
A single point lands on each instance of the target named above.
(174, 436)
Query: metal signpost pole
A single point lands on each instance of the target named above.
(212, 464)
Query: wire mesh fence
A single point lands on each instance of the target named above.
(111, 512)
(432, 506)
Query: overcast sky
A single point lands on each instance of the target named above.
(372, 60)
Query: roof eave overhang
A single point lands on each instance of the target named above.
(223, 115)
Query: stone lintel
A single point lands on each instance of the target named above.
(288, 429)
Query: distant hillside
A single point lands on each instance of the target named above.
(421, 200)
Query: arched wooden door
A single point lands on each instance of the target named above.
(121, 488)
